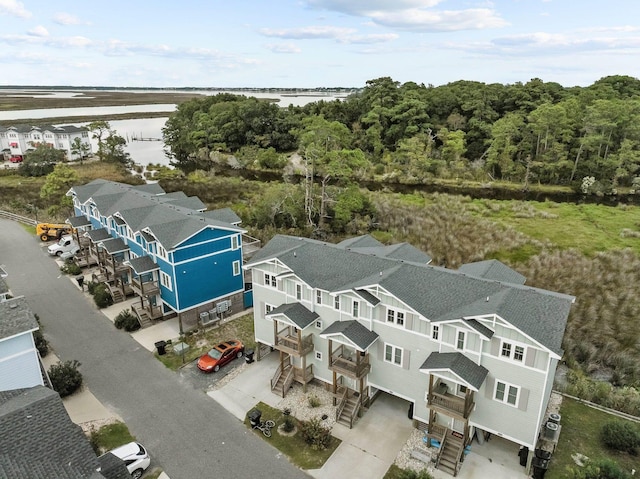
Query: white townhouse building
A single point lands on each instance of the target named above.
(472, 351)
(18, 140)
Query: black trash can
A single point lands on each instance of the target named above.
(523, 453)
(248, 356)
(542, 454)
(160, 346)
(254, 417)
(540, 467)
(80, 280)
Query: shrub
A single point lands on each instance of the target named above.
(411, 474)
(315, 434)
(69, 267)
(91, 287)
(127, 321)
(288, 425)
(65, 377)
(600, 469)
(314, 401)
(102, 296)
(42, 345)
(620, 436)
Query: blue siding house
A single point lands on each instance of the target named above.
(178, 258)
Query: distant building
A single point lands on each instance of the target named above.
(18, 140)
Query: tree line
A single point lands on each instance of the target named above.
(535, 132)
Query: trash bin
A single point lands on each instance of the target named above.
(248, 356)
(254, 417)
(542, 454)
(160, 346)
(80, 280)
(540, 467)
(523, 454)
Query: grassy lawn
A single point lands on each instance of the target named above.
(201, 341)
(294, 447)
(580, 433)
(111, 436)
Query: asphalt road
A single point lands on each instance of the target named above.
(188, 434)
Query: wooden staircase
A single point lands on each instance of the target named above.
(348, 414)
(449, 457)
(143, 317)
(279, 382)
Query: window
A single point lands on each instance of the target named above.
(236, 268)
(269, 280)
(507, 393)
(318, 324)
(268, 308)
(462, 390)
(162, 252)
(318, 297)
(518, 353)
(435, 332)
(336, 303)
(506, 350)
(393, 354)
(234, 242)
(396, 317)
(460, 343)
(318, 355)
(356, 309)
(165, 280)
(298, 292)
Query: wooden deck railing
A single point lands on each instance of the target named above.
(349, 367)
(303, 376)
(342, 403)
(290, 344)
(287, 382)
(276, 376)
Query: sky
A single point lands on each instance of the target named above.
(315, 43)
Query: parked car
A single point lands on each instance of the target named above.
(135, 457)
(15, 159)
(220, 355)
(70, 254)
(66, 244)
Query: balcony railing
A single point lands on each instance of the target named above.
(349, 367)
(303, 376)
(115, 265)
(449, 403)
(145, 288)
(290, 344)
(249, 246)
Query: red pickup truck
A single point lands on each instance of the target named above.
(15, 159)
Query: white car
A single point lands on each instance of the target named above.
(66, 244)
(135, 457)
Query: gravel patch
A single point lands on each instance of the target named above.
(298, 402)
(405, 461)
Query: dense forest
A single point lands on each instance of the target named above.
(536, 132)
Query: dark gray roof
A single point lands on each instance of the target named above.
(493, 269)
(364, 241)
(352, 330)
(402, 251)
(114, 245)
(119, 221)
(38, 439)
(296, 313)
(98, 235)
(16, 317)
(78, 221)
(463, 367)
(112, 467)
(149, 238)
(367, 296)
(4, 288)
(223, 214)
(438, 294)
(171, 218)
(481, 328)
(142, 264)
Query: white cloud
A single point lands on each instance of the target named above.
(14, 8)
(312, 32)
(63, 18)
(439, 21)
(38, 31)
(283, 48)
(364, 7)
(369, 39)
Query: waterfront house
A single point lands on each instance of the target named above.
(472, 351)
(20, 139)
(165, 248)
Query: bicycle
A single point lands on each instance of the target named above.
(265, 427)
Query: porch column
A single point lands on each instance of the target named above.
(304, 373)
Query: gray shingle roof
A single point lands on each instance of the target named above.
(223, 214)
(38, 439)
(481, 328)
(114, 245)
(493, 269)
(98, 235)
(142, 264)
(78, 221)
(296, 313)
(367, 296)
(463, 367)
(352, 330)
(171, 218)
(402, 251)
(4, 288)
(364, 241)
(438, 294)
(16, 317)
(112, 467)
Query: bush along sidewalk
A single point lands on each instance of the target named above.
(65, 377)
(127, 321)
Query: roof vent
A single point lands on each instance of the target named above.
(487, 300)
(295, 254)
(380, 273)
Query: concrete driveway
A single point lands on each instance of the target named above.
(188, 435)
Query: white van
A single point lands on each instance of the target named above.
(66, 243)
(135, 457)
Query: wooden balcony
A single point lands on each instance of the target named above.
(348, 366)
(249, 246)
(450, 404)
(115, 266)
(293, 345)
(303, 376)
(145, 288)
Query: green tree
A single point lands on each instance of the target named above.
(100, 129)
(113, 149)
(79, 149)
(55, 187)
(40, 161)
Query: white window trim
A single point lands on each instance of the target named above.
(393, 354)
(318, 296)
(393, 317)
(318, 324)
(235, 244)
(505, 399)
(269, 279)
(318, 355)
(299, 294)
(464, 339)
(165, 280)
(435, 332)
(161, 251)
(336, 303)
(236, 268)
(511, 356)
(355, 308)
(268, 308)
